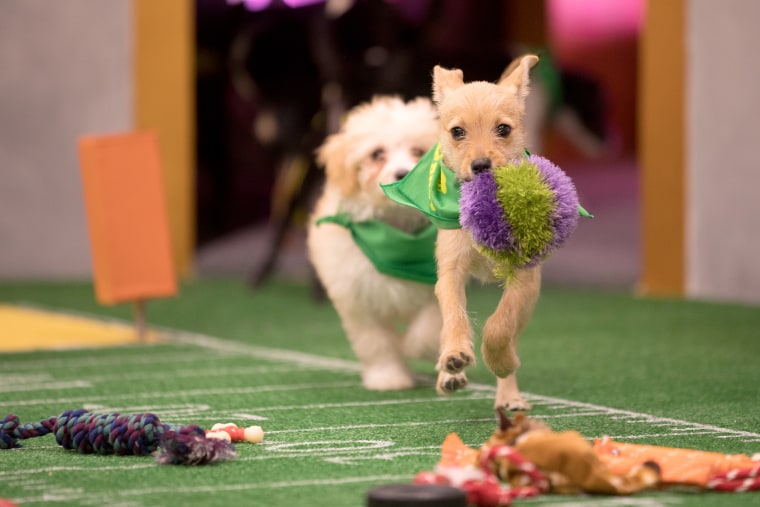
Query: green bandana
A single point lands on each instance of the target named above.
(433, 188)
(430, 187)
(393, 252)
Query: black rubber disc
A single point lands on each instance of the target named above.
(416, 495)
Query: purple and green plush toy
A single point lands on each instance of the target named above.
(521, 212)
(517, 214)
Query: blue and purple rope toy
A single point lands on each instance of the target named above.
(136, 434)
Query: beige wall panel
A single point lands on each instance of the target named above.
(723, 206)
(65, 70)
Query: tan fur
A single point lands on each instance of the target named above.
(372, 306)
(479, 109)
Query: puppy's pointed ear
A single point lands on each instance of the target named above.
(445, 81)
(516, 76)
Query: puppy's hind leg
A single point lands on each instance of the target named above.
(423, 334)
(508, 395)
(378, 350)
(501, 335)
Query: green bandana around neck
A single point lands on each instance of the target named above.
(393, 252)
(430, 187)
(433, 188)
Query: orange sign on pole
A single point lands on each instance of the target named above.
(127, 219)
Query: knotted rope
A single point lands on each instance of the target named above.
(487, 490)
(737, 480)
(136, 434)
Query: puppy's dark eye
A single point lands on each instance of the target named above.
(378, 154)
(457, 133)
(503, 130)
(417, 152)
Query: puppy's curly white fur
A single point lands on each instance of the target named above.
(386, 319)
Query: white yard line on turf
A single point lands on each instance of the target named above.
(190, 392)
(72, 363)
(107, 499)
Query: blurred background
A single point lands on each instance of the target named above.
(242, 91)
(266, 68)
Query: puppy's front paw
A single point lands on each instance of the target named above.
(455, 362)
(387, 377)
(448, 383)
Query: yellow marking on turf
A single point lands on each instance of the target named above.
(25, 329)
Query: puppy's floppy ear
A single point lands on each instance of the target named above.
(445, 81)
(516, 76)
(332, 156)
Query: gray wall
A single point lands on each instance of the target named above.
(723, 150)
(65, 71)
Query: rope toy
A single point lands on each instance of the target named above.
(521, 212)
(136, 434)
(737, 480)
(484, 489)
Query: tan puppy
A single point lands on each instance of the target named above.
(385, 318)
(481, 128)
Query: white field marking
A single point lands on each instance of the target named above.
(249, 417)
(163, 411)
(24, 378)
(272, 354)
(385, 456)
(191, 392)
(316, 446)
(390, 455)
(182, 412)
(46, 386)
(658, 435)
(73, 468)
(107, 498)
(194, 373)
(647, 419)
(280, 453)
(379, 425)
(338, 453)
(348, 404)
(143, 358)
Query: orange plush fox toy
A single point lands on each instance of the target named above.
(524, 457)
(566, 458)
(532, 460)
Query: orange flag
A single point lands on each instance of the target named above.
(126, 216)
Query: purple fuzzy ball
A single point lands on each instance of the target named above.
(565, 217)
(487, 219)
(481, 213)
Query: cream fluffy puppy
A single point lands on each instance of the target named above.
(386, 319)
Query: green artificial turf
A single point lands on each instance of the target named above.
(664, 372)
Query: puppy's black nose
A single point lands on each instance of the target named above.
(401, 173)
(480, 165)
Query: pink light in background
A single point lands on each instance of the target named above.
(251, 5)
(592, 20)
(260, 5)
(301, 3)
